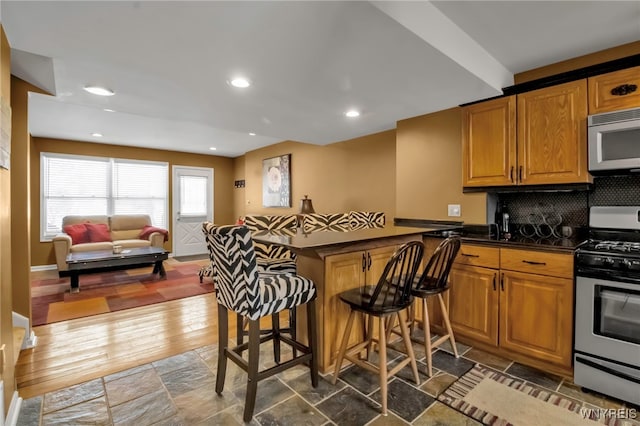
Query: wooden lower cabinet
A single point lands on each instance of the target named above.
(536, 316)
(515, 313)
(473, 303)
(344, 272)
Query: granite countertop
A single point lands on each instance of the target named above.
(487, 234)
(320, 239)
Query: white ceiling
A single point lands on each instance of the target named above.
(169, 63)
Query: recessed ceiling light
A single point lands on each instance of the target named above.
(96, 135)
(251, 134)
(109, 110)
(352, 113)
(100, 91)
(213, 148)
(240, 82)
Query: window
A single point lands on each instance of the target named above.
(81, 185)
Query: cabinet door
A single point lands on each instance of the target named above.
(489, 143)
(376, 260)
(614, 91)
(552, 135)
(536, 316)
(342, 272)
(473, 303)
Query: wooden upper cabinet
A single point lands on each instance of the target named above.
(552, 135)
(489, 143)
(614, 91)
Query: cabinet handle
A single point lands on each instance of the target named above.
(364, 262)
(624, 89)
(520, 174)
(511, 174)
(470, 255)
(531, 262)
(368, 260)
(494, 282)
(502, 282)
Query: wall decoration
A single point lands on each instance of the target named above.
(276, 181)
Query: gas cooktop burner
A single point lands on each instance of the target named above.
(620, 246)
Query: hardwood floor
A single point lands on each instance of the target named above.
(78, 350)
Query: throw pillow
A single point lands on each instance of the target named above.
(77, 232)
(147, 230)
(98, 232)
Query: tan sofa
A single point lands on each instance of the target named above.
(124, 230)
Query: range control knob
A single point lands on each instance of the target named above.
(608, 261)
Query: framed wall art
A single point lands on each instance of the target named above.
(276, 181)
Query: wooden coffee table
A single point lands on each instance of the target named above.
(105, 260)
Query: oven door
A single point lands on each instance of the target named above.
(608, 319)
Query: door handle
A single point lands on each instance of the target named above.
(470, 255)
(364, 262)
(494, 282)
(368, 260)
(502, 282)
(520, 173)
(511, 174)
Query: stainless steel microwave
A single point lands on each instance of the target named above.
(614, 141)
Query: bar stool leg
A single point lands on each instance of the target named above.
(427, 336)
(223, 342)
(404, 330)
(292, 327)
(447, 324)
(313, 340)
(252, 370)
(275, 329)
(343, 345)
(382, 350)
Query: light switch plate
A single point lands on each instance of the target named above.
(454, 210)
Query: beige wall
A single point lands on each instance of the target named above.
(429, 169)
(358, 174)
(6, 322)
(42, 252)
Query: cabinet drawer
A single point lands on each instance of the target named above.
(614, 91)
(537, 262)
(470, 254)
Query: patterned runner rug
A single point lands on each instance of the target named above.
(494, 398)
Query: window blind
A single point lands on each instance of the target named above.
(78, 185)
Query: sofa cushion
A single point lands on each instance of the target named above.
(128, 226)
(77, 232)
(98, 232)
(133, 243)
(107, 245)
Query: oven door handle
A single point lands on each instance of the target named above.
(607, 370)
(605, 275)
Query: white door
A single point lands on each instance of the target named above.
(192, 205)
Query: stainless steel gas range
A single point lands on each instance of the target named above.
(607, 318)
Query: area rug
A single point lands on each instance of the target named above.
(494, 398)
(104, 292)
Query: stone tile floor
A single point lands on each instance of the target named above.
(180, 390)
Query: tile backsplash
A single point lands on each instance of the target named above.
(574, 206)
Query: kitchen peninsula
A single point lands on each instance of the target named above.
(337, 261)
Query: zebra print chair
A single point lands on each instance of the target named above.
(242, 289)
(359, 219)
(273, 258)
(313, 222)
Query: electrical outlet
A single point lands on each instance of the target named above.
(454, 210)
